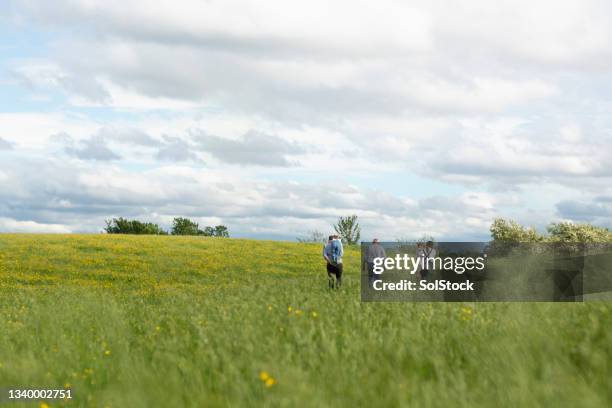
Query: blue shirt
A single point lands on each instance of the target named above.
(327, 251)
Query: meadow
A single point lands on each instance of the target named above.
(161, 321)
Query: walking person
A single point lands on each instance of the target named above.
(332, 253)
(428, 253)
(375, 250)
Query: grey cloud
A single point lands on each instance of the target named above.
(5, 144)
(94, 148)
(97, 146)
(585, 211)
(603, 199)
(86, 87)
(274, 75)
(71, 79)
(81, 195)
(177, 150)
(239, 68)
(61, 138)
(128, 136)
(239, 71)
(252, 148)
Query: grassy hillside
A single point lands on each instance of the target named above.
(131, 321)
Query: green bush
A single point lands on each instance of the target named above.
(508, 231)
(578, 233)
(124, 226)
(185, 226)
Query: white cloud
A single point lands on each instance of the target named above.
(509, 97)
(5, 145)
(308, 63)
(81, 196)
(10, 225)
(253, 148)
(480, 95)
(32, 129)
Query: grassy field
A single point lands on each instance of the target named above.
(129, 321)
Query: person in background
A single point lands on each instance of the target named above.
(332, 253)
(428, 252)
(375, 250)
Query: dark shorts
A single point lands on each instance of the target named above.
(334, 270)
(371, 270)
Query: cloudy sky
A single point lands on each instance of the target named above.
(275, 117)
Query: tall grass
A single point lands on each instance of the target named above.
(134, 321)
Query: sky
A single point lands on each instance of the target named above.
(275, 118)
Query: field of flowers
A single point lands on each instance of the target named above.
(160, 321)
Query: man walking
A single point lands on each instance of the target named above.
(332, 253)
(374, 251)
(428, 254)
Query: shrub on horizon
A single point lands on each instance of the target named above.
(124, 226)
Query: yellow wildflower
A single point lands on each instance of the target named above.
(466, 313)
(264, 376)
(107, 352)
(270, 382)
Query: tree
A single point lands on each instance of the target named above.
(124, 226)
(509, 231)
(208, 232)
(508, 235)
(349, 230)
(180, 226)
(313, 236)
(221, 231)
(184, 226)
(578, 233)
(563, 236)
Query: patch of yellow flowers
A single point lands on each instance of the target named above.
(298, 312)
(466, 313)
(267, 379)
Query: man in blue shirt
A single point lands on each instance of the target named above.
(332, 253)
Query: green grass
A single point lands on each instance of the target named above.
(132, 321)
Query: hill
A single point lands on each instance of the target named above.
(162, 321)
